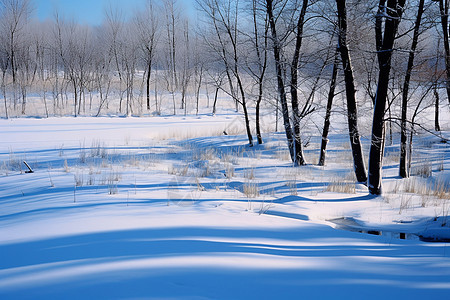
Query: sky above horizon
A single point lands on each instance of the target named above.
(87, 11)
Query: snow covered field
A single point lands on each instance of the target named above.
(168, 208)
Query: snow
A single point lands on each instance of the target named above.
(168, 208)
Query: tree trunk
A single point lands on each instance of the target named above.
(280, 81)
(257, 116)
(75, 97)
(24, 99)
(403, 172)
(262, 66)
(149, 70)
(4, 92)
(384, 50)
(298, 147)
(326, 125)
(215, 101)
(244, 107)
(443, 7)
(352, 114)
(436, 108)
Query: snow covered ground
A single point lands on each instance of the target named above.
(169, 208)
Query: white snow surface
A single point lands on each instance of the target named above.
(168, 208)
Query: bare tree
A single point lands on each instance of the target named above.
(14, 19)
(146, 23)
(403, 172)
(352, 114)
(258, 68)
(172, 19)
(280, 79)
(331, 94)
(186, 71)
(4, 65)
(443, 7)
(114, 30)
(387, 21)
(293, 86)
(225, 21)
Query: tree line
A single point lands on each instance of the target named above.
(389, 58)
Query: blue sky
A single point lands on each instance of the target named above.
(84, 11)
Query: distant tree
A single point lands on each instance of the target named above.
(15, 17)
(113, 29)
(172, 19)
(187, 68)
(128, 57)
(4, 65)
(147, 25)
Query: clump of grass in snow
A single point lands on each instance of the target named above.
(204, 170)
(423, 169)
(79, 179)
(251, 190)
(229, 171)
(420, 192)
(205, 154)
(113, 178)
(98, 149)
(392, 157)
(405, 203)
(292, 185)
(66, 166)
(249, 174)
(440, 164)
(13, 163)
(4, 169)
(178, 170)
(342, 185)
(439, 188)
(229, 158)
(345, 157)
(283, 155)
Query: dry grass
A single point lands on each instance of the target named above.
(249, 174)
(439, 189)
(423, 169)
(405, 203)
(205, 154)
(229, 171)
(283, 155)
(79, 179)
(113, 178)
(345, 184)
(251, 190)
(66, 166)
(181, 170)
(292, 185)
